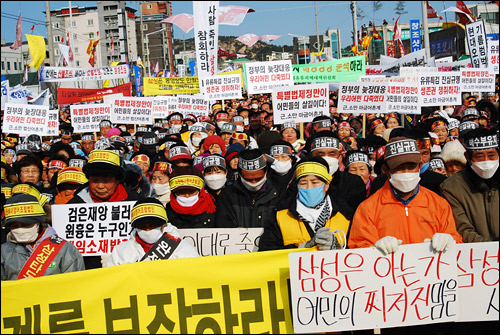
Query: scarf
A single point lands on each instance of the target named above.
(119, 195)
(61, 199)
(205, 204)
(315, 217)
(145, 246)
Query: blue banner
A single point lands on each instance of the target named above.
(415, 35)
(138, 80)
(192, 67)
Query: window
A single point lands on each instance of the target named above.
(150, 6)
(490, 17)
(8, 66)
(74, 23)
(20, 67)
(91, 35)
(57, 38)
(15, 66)
(76, 50)
(75, 37)
(3, 65)
(90, 22)
(144, 27)
(56, 52)
(77, 63)
(56, 25)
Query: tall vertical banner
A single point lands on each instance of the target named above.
(476, 41)
(138, 80)
(415, 35)
(391, 49)
(206, 34)
(492, 56)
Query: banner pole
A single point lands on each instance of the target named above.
(302, 131)
(364, 125)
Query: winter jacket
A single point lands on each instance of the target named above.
(382, 214)
(474, 202)
(428, 179)
(144, 187)
(14, 256)
(348, 191)
(184, 221)
(237, 207)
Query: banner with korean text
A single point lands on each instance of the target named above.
(195, 104)
(86, 118)
(25, 119)
(414, 59)
(477, 80)
(439, 88)
(476, 41)
(345, 69)
(300, 103)
(402, 94)
(5, 93)
(221, 87)
(362, 97)
(52, 123)
(68, 74)
(75, 95)
(262, 77)
(132, 110)
(170, 85)
(164, 106)
(493, 52)
(206, 36)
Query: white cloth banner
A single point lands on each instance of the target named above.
(65, 52)
(477, 80)
(86, 118)
(24, 119)
(132, 110)
(53, 74)
(493, 51)
(221, 87)
(163, 106)
(263, 77)
(362, 97)
(18, 95)
(454, 66)
(43, 99)
(195, 104)
(5, 92)
(439, 88)
(476, 41)
(300, 103)
(414, 59)
(402, 94)
(206, 36)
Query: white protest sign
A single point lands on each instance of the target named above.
(86, 118)
(18, 95)
(163, 106)
(411, 73)
(5, 93)
(262, 77)
(300, 103)
(402, 96)
(95, 228)
(439, 88)
(448, 59)
(354, 289)
(195, 104)
(493, 52)
(454, 66)
(206, 36)
(53, 123)
(414, 59)
(477, 80)
(110, 98)
(357, 97)
(67, 74)
(478, 281)
(370, 78)
(223, 241)
(221, 87)
(24, 119)
(132, 110)
(476, 41)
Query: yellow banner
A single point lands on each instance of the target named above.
(170, 85)
(234, 72)
(244, 293)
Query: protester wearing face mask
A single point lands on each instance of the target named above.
(174, 121)
(160, 181)
(190, 205)
(403, 212)
(29, 235)
(215, 174)
(221, 118)
(310, 218)
(196, 136)
(239, 121)
(252, 198)
(473, 192)
(150, 223)
(282, 168)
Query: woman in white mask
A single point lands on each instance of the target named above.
(282, 167)
(160, 181)
(196, 136)
(150, 224)
(215, 174)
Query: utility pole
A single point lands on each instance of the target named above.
(317, 30)
(425, 28)
(142, 34)
(49, 33)
(354, 23)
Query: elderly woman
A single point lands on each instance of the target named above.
(358, 163)
(391, 120)
(291, 135)
(29, 169)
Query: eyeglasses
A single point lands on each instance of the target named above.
(34, 172)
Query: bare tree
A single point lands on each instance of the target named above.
(376, 6)
(360, 14)
(400, 8)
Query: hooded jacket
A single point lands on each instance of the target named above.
(144, 188)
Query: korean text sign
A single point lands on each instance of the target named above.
(221, 87)
(132, 110)
(86, 118)
(362, 97)
(55, 74)
(493, 51)
(195, 104)
(170, 85)
(300, 103)
(476, 41)
(262, 77)
(415, 35)
(439, 88)
(74, 95)
(25, 119)
(477, 80)
(345, 69)
(164, 106)
(206, 36)
(53, 123)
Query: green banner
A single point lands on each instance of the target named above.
(344, 69)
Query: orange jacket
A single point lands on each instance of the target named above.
(383, 215)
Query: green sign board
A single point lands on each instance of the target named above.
(344, 69)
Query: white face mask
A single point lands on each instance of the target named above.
(196, 141)
(405, 182)
(255, 106)
(449, 111)
(187, 202)
(372, 164)
(216, 181)
(333, 164)
(485, 169)
(162, 189)
(281, 167)
(25, 235)
(220, 124)
(123, 128)
(253, 187)
(240, 129)
(176, 127)
(150, 236)
(246, 122)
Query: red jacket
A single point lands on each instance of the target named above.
(383, 215)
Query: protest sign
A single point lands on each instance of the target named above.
(75, 95)
(164, 106)
(448, 59)
(52, 123)
(24, 119)
(132, 110)
(195, 104)
(300, 103)
(171, 85)
(439, 88)
(5, 93)
(414, 59)
(68, 74)
(402, 96)
(94, 228)
(18, 95)
(454, 66)
(362, 289)
(415, 35)
(410, 74)
(86, 118)
(477, 80)
(345, 69)
(477, 265)
(493, 51)
(206, 36)
(476, 41)
(262, 77)
(358, 97)
(369, 78)
(221, 87)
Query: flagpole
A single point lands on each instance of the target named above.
(425, 28)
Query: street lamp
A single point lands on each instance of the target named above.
(304, 42)
(147, 47)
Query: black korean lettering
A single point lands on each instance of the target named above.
(126, 313)
(231, 319)
(251, 317)
(160, 300)
(14, 322)
(184, 311)
(277, 314)
(70, 320)
(206, 308)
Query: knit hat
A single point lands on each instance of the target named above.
(71, 175)
(312, 168)
(23, 149)
(466, 126)
(150, 211)
(232, 151)
(23, 208)
(453, 151)
(481, 139)
(113, 132)
(357, 157)
(104, 162)
(29, 188)
(214, 139)
(187, 177)
(401, 150)
(470, 113)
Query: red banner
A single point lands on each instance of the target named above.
(391, 49)
(74, 95)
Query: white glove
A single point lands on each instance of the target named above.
(324, 239)
(442, 241)
(104, 259)
(388, 244)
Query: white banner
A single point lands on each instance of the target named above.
(181, 70)
(300, 103)
(24, 119)
(493, 51)
(163, 106)
(477, 80)
(206, 36)
(476, 41)
(414, 59)
(263, 77)
(362, 97)
(86, 118)
(402, 96)
(411, 73)
(439, 88)
(5, 93)
(53, 123)
(221, 87)
(132, 110)
(195, 104)
(454, 66)
(52, 74)
(18, 95)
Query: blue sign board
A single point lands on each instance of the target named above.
(415, 35)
